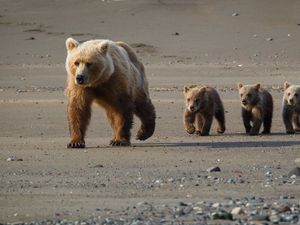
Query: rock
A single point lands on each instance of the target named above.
(294, 171)
(270, 39)
(221, 215)
(214, 169)
(237, 211)
(13, 158)
(235, 14)
(284, 208)
(259, 217)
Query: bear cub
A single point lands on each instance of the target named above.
(201, 105)
(257, 108)
(291, 108)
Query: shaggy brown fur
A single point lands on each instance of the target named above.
(109, 74)
(202, 104)
(257, 107)
(291, 108)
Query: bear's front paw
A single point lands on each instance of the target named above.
(204, 133)
(190, 129)
(253, 133)
(76, 144)
(198, 132)
(266, 132)
(119, 143)
(290, 132)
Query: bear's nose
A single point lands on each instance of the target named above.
(291, 101)
(80, 79)
(244, 102)
(192, 108)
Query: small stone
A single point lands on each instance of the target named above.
(259, 217)
(221, 215)
(270, 39)
(297, 160)
(176, 34)
(235, 14)
(214, 169)
(294, 171)
(237, 211)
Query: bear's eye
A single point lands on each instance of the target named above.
(289, 94)
(296, 95)
(241, 95)
(188, 99)
(88, 64)
(76, 63)
(197, 101)
(249, 95)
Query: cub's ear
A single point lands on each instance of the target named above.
(71, 44)
(186, 89)
(239, 85)
(286, 85)
(203, 89)
(103, 48)
(257, 86)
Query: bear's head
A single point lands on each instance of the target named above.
(248, 94)
(89, 63)
(195, 97)
(291, 94)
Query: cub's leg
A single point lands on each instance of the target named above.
(144, 109)
(79, 114)
(296, 122)
(220, 117)
(287, 120)
(246, 115)
(267, 123)
(188, 120)
(200, 121)
(257, 121)
(208, 119)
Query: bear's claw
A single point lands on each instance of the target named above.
(76, 145)
(119, 143)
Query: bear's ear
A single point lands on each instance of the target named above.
(103, 48)
(239, 85)
(71, 44)
(186, 89)
(286, 85)
(257, 86)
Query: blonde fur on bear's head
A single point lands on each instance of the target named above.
(291, 94)
(90, 62)
(248, 93)
(195, 97)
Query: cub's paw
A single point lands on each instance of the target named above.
(204, 133)
(253, 133)
(142, 135)
(198, 132)
(290, 132)
(266, 132)
(221, 130)
(190, 129)
(119, 143)
(76, 144)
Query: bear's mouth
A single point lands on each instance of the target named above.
(80, 79)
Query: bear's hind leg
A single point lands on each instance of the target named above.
(146, 112)
(208, 119)
(267, 123)
(220, 117)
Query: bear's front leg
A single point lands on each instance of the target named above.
(246, 115)
(296, 122)
(79, 114)
(257, 121)
(122, 117)
(188, 120)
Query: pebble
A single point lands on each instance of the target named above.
(235, 14)
(297, 160)
(237, 211)
(214, 169)
(269, 39)
(13, 158)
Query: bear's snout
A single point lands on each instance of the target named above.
(80, 79)
(291, 101)
(244, 101)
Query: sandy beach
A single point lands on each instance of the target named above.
(216, 43)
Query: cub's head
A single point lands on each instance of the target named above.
(88, 63)
(248, 94)
(291, 94)
(195, 97)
